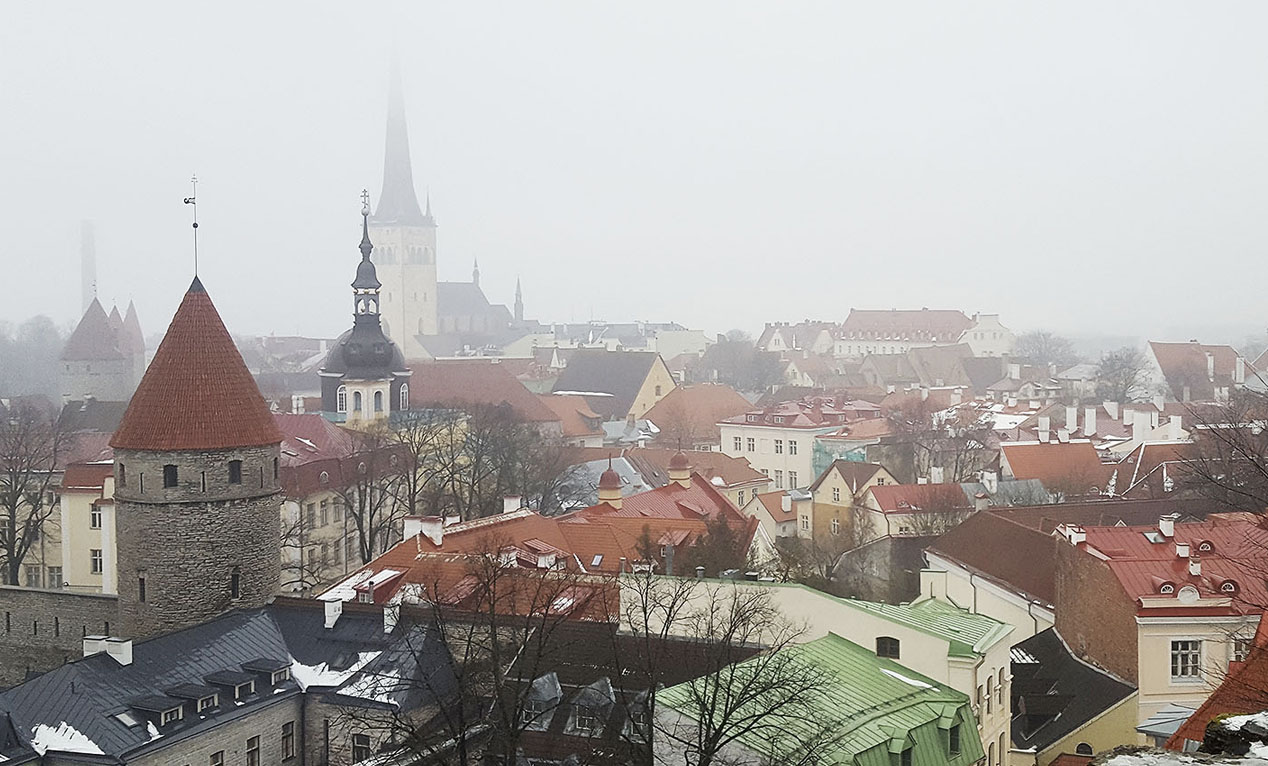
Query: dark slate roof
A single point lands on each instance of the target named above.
(86, 694)
(92, 415)
(619, 373)
(1054, 693)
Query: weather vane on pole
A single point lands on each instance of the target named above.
(193, 200)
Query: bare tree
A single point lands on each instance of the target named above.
(738, 694)
(31, 443)
(1230, 462)
(1122, 375)
(1043, 348)
(955, 440)
(366, 488)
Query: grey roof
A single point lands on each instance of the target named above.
(86, 694)
(1057, 693)
(92, 415)
(460, 299)
(619, 373)
(1011, 492)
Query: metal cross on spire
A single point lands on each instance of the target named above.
(193, 200)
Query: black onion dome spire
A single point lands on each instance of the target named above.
(367, 278)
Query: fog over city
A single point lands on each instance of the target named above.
(1082, 167)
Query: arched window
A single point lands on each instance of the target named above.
(887, 646)
(1083, 748)
(341, 399)
(404, 396)
(324, 478)
(378, 401)
(356, 401)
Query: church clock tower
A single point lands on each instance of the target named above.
(405, 240)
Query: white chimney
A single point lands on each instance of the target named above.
(1167, 525)
(1239, 370)
(297, 404)
(1014, 371)
(933, 583)
(120, 649)
(1210, 366)
(512, 503)
(1089, 421)
(1111, 408)
(1075, 535)
(94, 645)
(391, 616)
(1195, 565)
(1160, 401)
(990, 480)
(922, 479)
(936, 474)
(1182, 550)
(1071, 419)
(1063, 436)
(431, 527)
(1045, 425)
(1141, 426)
(1175, 427)
(785, 502)
(334, 608)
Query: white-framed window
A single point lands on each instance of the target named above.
(587, 720)
(404, 395)
(360, 747)
(836, 526)
(95, 557)
(55, 580)
(792, 447)
(217, 758)
(751, 444)
(341, 399)
(779, 446)
(739, 444)
(1186, 659)
(739, 496)
(779, 479)
(94, 518)
(34, 576)
(805, 523)
(1241, 646)
(532, 711)
(206, 703)
(253, 751)
(836, 494)
(171, 716)
(792, 479)
(288, 740)
(325, 512)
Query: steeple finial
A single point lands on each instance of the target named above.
(192, 199)
(475, 272)
(519, 301)
(366, 246)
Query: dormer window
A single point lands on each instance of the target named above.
(323, 478)
(171, 716)
(1167, 589)
(365, 597)
(1228, 586)
(279, 676)
(207, 703)
(244, 690)
(587, 720)
(1206, 546)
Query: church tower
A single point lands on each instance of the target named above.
(364, 379)
(406, 239)
(196, 482)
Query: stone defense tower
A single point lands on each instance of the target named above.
(104, 357)
(196, 482)
(405, 239)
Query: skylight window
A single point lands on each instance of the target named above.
(127, 719)
(597, 560)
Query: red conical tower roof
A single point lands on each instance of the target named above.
(197, 393)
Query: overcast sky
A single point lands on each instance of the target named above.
(1081, 166)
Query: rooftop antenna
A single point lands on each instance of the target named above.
(193, 200)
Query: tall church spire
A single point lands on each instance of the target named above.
(475, 272)
(398, 203)
(519, 302)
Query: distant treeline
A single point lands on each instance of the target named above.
(28, 357)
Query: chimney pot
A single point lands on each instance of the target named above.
(1182, 550)
(1167, 525)
(334, 608)
(120, 649)
(1195, 565)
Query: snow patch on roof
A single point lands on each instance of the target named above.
(906, 680)
(324, 675)
(62, 738)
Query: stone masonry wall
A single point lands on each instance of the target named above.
(231, 737)
(42, 629)
(188, 542)
(1094, 615)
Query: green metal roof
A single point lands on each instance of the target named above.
(883, 708)
(968, 634)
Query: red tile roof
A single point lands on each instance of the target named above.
(937, 325)
(197, 393)
(86, 476)
(653, 463)
(1244, 690)
(1185, 365)
(1230, 548)
(773, 502)
(454, 383)
(1012, 554)
(926, 498)
(575, 414)
(691, 413)
(1071, 467)
(699, 500)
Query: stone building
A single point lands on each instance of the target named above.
(364, 378)
(196, 481)
(196, 500)
(104, 357)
